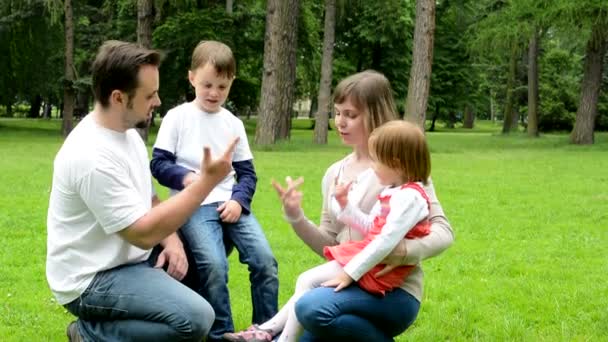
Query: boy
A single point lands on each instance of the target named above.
(224, 218)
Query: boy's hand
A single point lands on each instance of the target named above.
(341, 194)
(217, 169)
(230, 211)
(341, 281)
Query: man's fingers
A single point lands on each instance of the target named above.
(206, 154)
(230, 149)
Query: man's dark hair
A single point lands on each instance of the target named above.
(116, 67)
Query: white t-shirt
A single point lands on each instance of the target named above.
(101, 185)
(186, 129)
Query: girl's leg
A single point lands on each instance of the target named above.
(306, 281)
(356, 315)
(285, 320)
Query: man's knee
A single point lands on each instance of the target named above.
(200, 317)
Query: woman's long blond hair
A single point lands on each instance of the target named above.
(369, 91)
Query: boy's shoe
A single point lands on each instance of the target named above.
(252, 334)
(72, 332)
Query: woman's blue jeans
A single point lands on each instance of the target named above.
(353, 314)
(138, 302)
(208, 239)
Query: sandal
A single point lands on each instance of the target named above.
(252, 334)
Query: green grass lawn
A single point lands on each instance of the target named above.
(530, 261)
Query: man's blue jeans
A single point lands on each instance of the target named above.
(138, 302)
(207, 239)
(353, 314)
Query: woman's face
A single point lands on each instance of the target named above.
(350, 123)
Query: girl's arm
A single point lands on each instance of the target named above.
(412, 251)
(355, 218)
(408, 208)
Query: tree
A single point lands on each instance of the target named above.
(229, 5)
(278, 79)
(507, 123)
(68, 93)
(322, 116)
(422, 60)
(533, 85)
(145, 18)
(582, 133)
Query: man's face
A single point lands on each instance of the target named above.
(144, 100)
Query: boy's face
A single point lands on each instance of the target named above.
(211, 89)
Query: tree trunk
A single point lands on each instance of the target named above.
(229, 6)
(434, 120)
(278, 79)
(48, 110)
(582, 132)
(322, 116)
(35, 105)
(492, 112)
(422, 59)
(314, 106)
(508, 114)
(68, 89)
(145, 18)
(9, 109)
(469, 117)
(82, 104)
(533, 85)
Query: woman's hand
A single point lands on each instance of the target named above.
(393, 260)
(341, 281)
(291, 196)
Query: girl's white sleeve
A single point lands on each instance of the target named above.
(355, 218)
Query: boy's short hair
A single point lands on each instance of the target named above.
(116, 67)
(370, 92)
(217, 54)
(401, 145)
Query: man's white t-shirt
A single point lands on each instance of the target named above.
(186, 129)
(101, 185)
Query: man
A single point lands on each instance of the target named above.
(104, 217)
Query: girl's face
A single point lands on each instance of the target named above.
(350, 124)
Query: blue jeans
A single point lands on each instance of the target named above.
(353, 314)
(138, 302)
(208, 239)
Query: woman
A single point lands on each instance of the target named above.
(362, 102)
